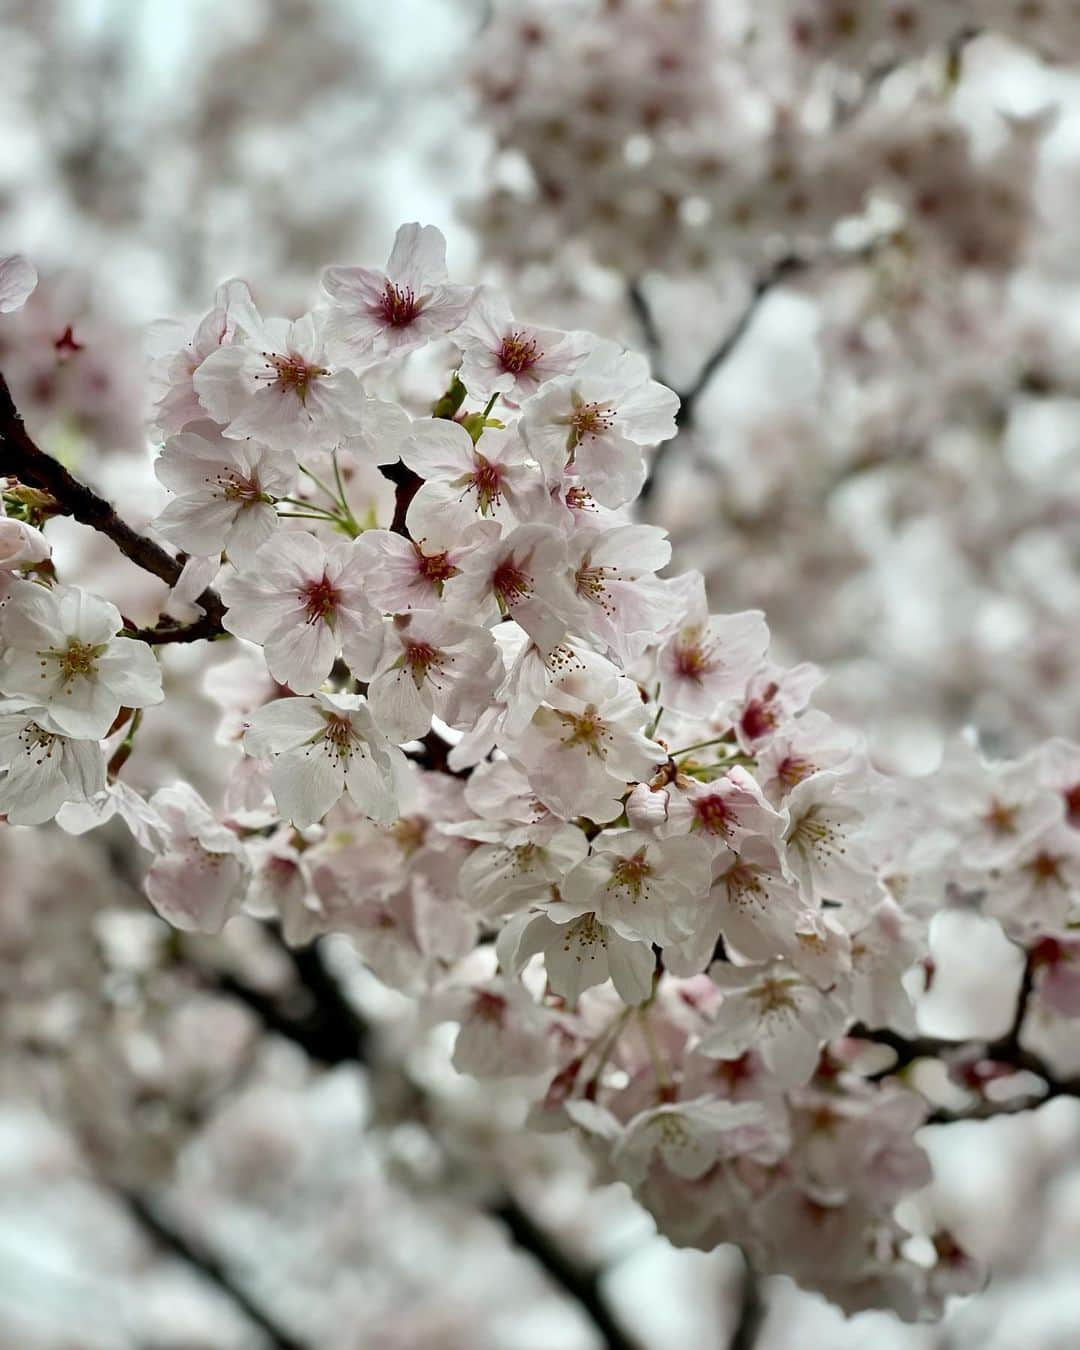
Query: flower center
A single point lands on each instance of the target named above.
(320, 600)
(486, 480)
(590, 584)
(292, 373)
(693, 659)
(714, 815)
(434, 567)
(1045, 868)
(510, 584)
(235, 488)
(77, 659)
(792, 769)
(630, 874)
(338, 735)
(773, 996)
(518, 353)
(421, 658)
(590, 419)
(398, 305)
(758, 719)
(587, 729)
(1001, 818)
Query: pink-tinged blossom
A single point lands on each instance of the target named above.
(173, 372)
(524, 574)
(708, 660)
(756, 905)
(44, 770)
(407, 574)
(502, 356)
(580, 951)
(502, 1032)
(645, 888)
(500, 876)
(785, 1018)
(726, 810)
(432, 666)
(21, 545)
(621, 605)
(812, 744)
(586, 745)
(277, 384)
(462, 481)
(304, 604)
(592, 425)
(382, 314)
(223, 493)
(199, 876)
(823, 850)
(62, 653)
(690, 1138)
(773, 698)
(320, 748)
(18, 277)
(1037, 889)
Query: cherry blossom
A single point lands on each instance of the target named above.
(504, 357)
(322, 747)
(223, 493)
(44, 769)
(390, 313)
(304, 603)
(61, 646)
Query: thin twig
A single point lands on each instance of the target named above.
(152, 1221)
(21, 458)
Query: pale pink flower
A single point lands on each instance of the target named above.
(592, 425)
(199, 876)
(462, 480)
(502, 356)
(709, 659)
(304, 604)
(432, 666)
(223, 492)
(390, 313)
(44, 770)
(320, 748)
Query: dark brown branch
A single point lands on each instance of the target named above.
(582, 1285)
(21, 458)
(408, 484)
(752, 1312)
(151, 1220)
(1006, 1051)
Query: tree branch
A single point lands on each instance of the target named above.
(408, 484)
(21, 458)
(150, 1219)
(582, 1285)
(752, 1312)
(766, 282)
(1005, 1051)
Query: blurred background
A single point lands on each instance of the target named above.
(843, 231)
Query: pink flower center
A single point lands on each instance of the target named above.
(320, 599)
(587, 729)
(591, 419)
(692, 658)
(518, 353)
(1072, 804)
(486, 480)
(489, 1007)
(421, 658)
(792, 769)
(510, 584)
(758, 719)
(1000, 818)
(434, 567)
(292, 373)
(714, 815)
(398, 305)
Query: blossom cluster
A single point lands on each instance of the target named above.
(605, 132)
(540, 786)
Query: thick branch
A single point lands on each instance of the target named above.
(408, 484)
(151, 1221)
(21, 458)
